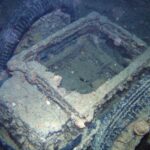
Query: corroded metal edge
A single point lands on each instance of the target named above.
(93, 22)
(24, 60)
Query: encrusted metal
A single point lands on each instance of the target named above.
(66, 84)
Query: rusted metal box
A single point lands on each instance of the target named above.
(65, 77)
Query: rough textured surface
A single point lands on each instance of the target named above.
(31, 63)
(105, 62)
(51, 115)
(47, 112)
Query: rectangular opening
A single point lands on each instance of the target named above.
(86, 62)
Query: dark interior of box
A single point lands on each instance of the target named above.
(86, 62)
